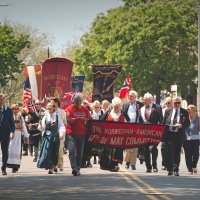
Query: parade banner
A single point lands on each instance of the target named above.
(104, 77)
(77, 83)
(124, 135)
(56, 77)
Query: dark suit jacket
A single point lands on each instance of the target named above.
(125, 108)
(7, 123)
(184, 120)
(156, 116)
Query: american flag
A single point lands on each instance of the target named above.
(27, 94)
(125, 87)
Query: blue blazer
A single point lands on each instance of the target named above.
(7, 123)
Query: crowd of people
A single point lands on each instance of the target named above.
(50, 131)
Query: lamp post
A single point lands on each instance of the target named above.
(198, 90)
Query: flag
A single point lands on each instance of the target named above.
(89, 97)
(31, 106)
(69, 98)
(77, 83)
(33, 74)
(27, 94)
(104, 77)
(125, 87)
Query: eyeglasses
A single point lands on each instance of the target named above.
(168, 103)
(177, 102)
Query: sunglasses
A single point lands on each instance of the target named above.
(177, 102)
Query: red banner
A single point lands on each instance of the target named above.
(125, 135)
(56, 77)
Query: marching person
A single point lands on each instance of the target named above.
(132, 108)
(7, 129)
(63, 116)
(53, 131)
(150, 113)
(164, 145)
(15, 145)
(111, 157)
(78, 115)
(191, 145)
(177, 119)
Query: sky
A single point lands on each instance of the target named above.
(65, 20)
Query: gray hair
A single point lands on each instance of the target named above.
(78, 96)
(96, 103)
(148, 96)
(116, 101)
(133, 93)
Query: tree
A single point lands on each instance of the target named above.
(10, 47)
(155, 40)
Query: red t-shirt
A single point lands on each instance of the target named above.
(74, 125)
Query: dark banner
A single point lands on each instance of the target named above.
(124, 135)
(56, 77)
(77, 83)
(104, 77)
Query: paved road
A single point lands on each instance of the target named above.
(95, 184)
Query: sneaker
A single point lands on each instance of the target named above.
(164, 168)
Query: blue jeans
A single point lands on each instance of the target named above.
(75, 145)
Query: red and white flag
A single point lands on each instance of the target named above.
(31, 106)
(125, 87)
(89, 97)
(33, 74)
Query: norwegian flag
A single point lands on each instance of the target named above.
(89, 97)
(27, 94)
(125, 87)
(31, 106)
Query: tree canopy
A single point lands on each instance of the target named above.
(10, 47)
(155, 40)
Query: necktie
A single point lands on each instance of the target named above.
(147, 113)
(175, 119)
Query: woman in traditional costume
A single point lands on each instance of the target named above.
(15, 145)
(53, 131)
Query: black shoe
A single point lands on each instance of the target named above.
(176, 174)
(133, 167)
(35, 160)
(84, 166)
(75, 172)
(55, 169)
(127, 165)
(14, 171)
(170, 173)
(50, 171)
(149, 171)
(141, 162)
(4, 173)
(155, 170)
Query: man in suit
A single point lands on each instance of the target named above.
(150, 113)
(131, 108)
(177, 120)
(7, 129)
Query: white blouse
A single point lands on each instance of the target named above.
(52, 117)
